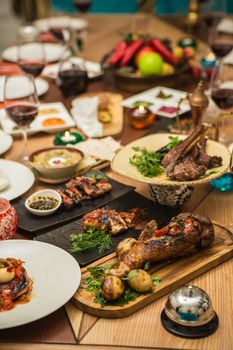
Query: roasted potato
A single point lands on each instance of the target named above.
(112, 288)
(140, 281)
(124, 246)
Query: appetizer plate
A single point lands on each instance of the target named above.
(53, 52)
(61, 236)
(160, 100)
(115, 126)
(121, 164)
(22, 90)
(75, 23)
(93, 68)
(33, 224)
(5, 142)
(20, 177)
(52, 117)
(52, 285)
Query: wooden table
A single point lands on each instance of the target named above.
(143, 329)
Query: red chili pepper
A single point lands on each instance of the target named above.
(130, 51)
(161, 232)
(118, 53)
(160, 48)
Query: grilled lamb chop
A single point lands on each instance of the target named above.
(110, 220)
(203, 158)
(177, 153)
(187, 169)
(183, 236)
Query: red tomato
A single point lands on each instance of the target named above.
(141, 53)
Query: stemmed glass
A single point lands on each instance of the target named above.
(31, 57)
(21, 104)
(82, 5)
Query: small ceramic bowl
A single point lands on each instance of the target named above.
(54, 168)
(49, 193)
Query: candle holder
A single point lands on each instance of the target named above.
(141, 117)
(66, 138)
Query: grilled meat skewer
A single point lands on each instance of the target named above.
(183, 236)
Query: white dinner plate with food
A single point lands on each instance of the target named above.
(93, 69)
(121, 162)
(22, 88)
(20, 179)
(5, 142)
(78, 24)
(53, 52)
(55, 278)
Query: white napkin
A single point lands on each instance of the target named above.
(85, 113)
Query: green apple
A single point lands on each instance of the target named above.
(151, 63)
(141, 53)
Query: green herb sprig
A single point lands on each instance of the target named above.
(91, 238)
(147, 162)
(174, 141)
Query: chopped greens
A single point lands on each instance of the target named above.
(156, 281)
(97, 176)
(147, 162)
(142, 103)
(212, 172)
(147, 266)
(174, 141)
(91, 238)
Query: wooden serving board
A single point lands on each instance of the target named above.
(173, 274)
(114, 127)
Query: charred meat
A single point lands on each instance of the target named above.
(83, 187)
(110, 220)
(182, 236)
(189, 160)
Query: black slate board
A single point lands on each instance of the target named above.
(60, 237)
(34, 224)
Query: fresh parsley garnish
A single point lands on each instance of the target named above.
(156, 281)
(147, 266)
(97, 176)
(91, 238)
(142, 103)
(147, 162)
(208, 174)
(174, 141)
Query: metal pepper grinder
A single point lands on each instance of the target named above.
(198, 103)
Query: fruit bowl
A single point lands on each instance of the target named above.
(139, 62)
(133, 82)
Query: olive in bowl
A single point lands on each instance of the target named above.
(43, 203)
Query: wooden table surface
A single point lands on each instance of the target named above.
(143, 329)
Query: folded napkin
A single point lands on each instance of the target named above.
(85, 113)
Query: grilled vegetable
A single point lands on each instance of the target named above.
(140, 281)
(112, 288)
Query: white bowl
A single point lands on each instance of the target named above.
(47, 192)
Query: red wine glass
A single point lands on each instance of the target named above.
(82, 5)
(21, 104)
(32, 57)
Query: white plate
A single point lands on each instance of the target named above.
(93, 69)
(5, 142)
(56, 277)
(78, 24)
(53, 52)
(20, 177)
(22, 88)
(157, 103)
(50, 110)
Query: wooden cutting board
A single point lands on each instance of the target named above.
(114, 127)
(173, 274)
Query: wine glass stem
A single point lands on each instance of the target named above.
(25, 142)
